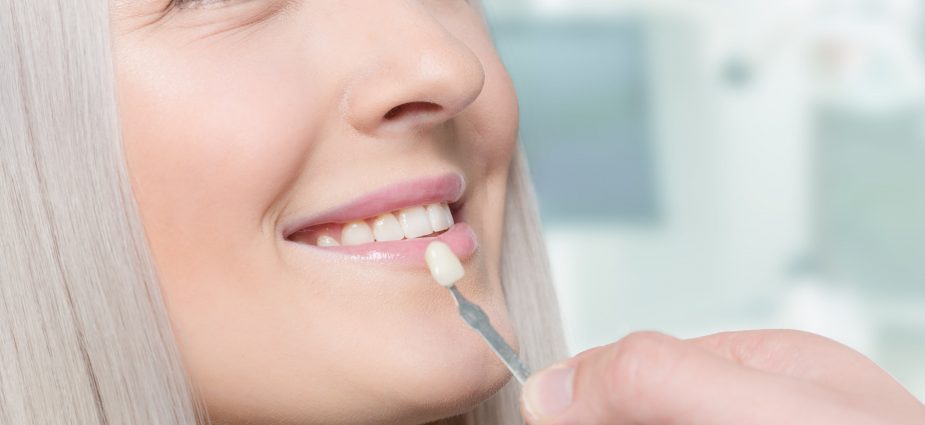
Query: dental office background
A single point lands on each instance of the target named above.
(709, 165)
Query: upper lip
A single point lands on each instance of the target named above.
(447, 188)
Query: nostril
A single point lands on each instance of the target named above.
(412, 108)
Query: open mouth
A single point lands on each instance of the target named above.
(392, 224)
(419, 221)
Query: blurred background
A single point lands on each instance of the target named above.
(708, 165)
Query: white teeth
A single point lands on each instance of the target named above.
(414, 222)
(386, 228)
(440, 216)
(325, 240)
(356, 233)
(410, 223)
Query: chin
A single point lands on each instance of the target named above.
(449, 373)
(452, 385)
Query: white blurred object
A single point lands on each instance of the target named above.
(834, 311)
(866, 57)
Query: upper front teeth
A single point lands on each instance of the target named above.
(407, 223)
(439, 216)
(414, 222)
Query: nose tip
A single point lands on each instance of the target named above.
(414, 88)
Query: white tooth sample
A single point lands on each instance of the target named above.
(326, 240)
(386, 228)
(414, 222)
(356, 233)
(440, 217)
(443, 264)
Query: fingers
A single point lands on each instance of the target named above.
(800, 355)
(779, 351)
(651, 378)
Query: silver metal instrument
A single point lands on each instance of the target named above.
(478, 320)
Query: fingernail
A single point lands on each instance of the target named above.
(549, 393)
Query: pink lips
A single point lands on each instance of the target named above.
(444, 188)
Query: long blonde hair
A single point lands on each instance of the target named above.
(84, 334)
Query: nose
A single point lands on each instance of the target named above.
(416, 76)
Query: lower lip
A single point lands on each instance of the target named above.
(460, 238)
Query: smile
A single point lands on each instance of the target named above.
(392, 224)
(406, 223)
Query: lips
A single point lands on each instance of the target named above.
(392, 224)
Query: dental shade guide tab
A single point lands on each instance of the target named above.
(443, 264)
(446, 269)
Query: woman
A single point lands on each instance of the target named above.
(278, 150)
(243, 122)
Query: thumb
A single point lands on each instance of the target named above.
(652, 378)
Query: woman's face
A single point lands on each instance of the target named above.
(260, 132)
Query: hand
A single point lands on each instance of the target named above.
(734, 378)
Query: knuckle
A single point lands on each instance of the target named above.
(772, 342)
(748, 348)
(638, 365)
(772, 349)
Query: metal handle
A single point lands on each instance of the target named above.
(478, 320)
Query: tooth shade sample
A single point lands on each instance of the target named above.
(443, 264)
(325, 240)
(356, 233)
(386, 228)
(414, 222)
(439, 216)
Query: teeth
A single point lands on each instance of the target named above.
(386, 228)
(325, 240)
(356, 233)
(440, 216)
(414, 222)
(410, 223)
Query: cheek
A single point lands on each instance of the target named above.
(491, 123)
(497, 113)
(209, 152)
(496, 117)
(208, 149)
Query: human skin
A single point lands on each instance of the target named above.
(765, 377)
(243, 115)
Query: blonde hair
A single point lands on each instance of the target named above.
(84, 334)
